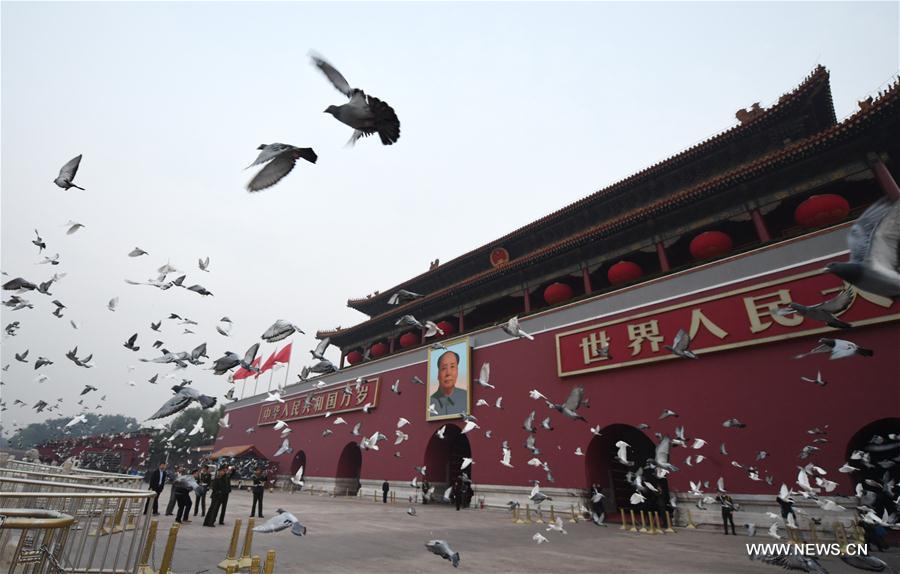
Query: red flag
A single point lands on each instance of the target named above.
(268, 364)
(243, 373)
(284, 355)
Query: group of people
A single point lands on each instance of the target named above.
(200, 481)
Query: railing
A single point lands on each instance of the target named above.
(40, 539)
(98, 477)
(108, 529)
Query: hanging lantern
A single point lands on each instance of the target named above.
(624, 272)
(447, 327)
(710, 244)
(409, 339)
(821, 210)
(378, 350)
(557, 293)
(354, 357)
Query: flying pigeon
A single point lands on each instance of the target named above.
(113, 303)
(38, 242)
(137, 252)
(285, 448)
(129, 344)
(874, 243)
(281, 329)
(73, 226)
(365, 114)
(281, 160)
(824, 311)
(511, 328)
(574, 401)
(282, 520)
(539, 538)
(203, 264)
(319, 351)
(733, 423)
(67, 174)
(622, 453)
(838, 349)
(76, 420)
(297, 479)
(21, 357)
(184, 395)
(87, 389)
(402, 296)
(198, 427)
(679, 346)
(818, 380)
(442, 549)
(232, 360)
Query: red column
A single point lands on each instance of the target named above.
(586, 278)
(885, 180)
(661, 254)
(760, 224)
(527, 300)
(461, 319)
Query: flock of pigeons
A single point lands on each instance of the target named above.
(874, 266)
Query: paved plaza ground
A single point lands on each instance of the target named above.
(359, 535)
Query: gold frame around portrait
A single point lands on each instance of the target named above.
(468, 374)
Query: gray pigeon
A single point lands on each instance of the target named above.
(791, 562)
(403, 296)
(874, 243)
(365, 114)
(442, 549)
(573, 402)
(319, 351)
(18, 284)
(282, 520)
(824, 311)
(232, 360)
(137, 252)
(39, 243)
(41, 361)
(838, 349)
(184, 395)
(67, 174)
(529, 423)
(680, 345)
(22, 357)
(281, 329)
(281, 160)
(285, 448)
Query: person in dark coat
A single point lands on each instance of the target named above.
(200, 497)
(157, 483)
(170, 506)
(259, 486)
(457, 493)
(787, 507)
(385, 487)
(229, 472)
(426, 486)
(728, 508)
(183, 486)
(217, 493)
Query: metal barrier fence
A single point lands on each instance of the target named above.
(108, 530)
(42, 537)
(98, 477)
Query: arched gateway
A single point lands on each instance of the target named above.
(349, 470)
(602, 468)
(444, 457)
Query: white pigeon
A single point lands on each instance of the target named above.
(223, 422)
(637, 498)
(535, 462)
(76, 420)
(440, 432)
(507, 455)
(837, 349)
(484, 376)
(481, 403)
(413, 482)
(198, 427)
(539, 538)
(401, 422)
(720, 484)
(512, 328)
(339, 421)
(401, 436)
(535, 394)
(469, 426)
(284, 449)
(622, 454)
(695, 488)
(596, 430)
(831, 505)
(498, 402)
(273, 397)
(698, 443)
(773, 531)
(279, 424)
(466, 462)
(557, 526)
(176, 434)
(578, 451)
(297, 479)
(432, 410)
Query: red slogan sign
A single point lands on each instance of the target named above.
(728, 320)
(317, 403)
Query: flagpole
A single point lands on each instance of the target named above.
(287, 370)
(271, 374)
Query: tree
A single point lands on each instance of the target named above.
(54, 429)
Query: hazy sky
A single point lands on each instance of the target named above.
(508, 111)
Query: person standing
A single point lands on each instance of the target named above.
(728, 508)
(426, 486)
(456, 493)
(217, 487)
(182, 486)
(385, 487)
(259, 486)
(157, 483)
(170, 506)
(226, 489)
(200, 496)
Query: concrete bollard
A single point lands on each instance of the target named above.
(633, 522)
(245, 559)
(170, 549)
(624, 523)
(528, 519)
(269, 567)
(254, 565)
(552, 514)
(231, 557)
(574, 517)
(643, 524)
(669, 528)
(690, 523)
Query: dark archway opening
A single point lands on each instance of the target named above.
(349, 470)
(603, 469)
(444, 458)
(875, 453)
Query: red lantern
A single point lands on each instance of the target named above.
(557, 293)
(409, 339)
(378, 350)
(354, 357)
(710, 244)
(624, 272)
(821, 210)
(447, 327)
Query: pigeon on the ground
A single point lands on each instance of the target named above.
(282, 520)
(838, 349)
(874, 243)
(365, 114)
(67, 174)
(824, 311)
(281, 160)
(443, 549)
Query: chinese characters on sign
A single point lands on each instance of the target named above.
(727, 320)
(317, 403)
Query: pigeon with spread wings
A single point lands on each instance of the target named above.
(280, 159)
(67, 174)
(874, 243)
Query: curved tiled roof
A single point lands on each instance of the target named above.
(792, 152)
(818, 78)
